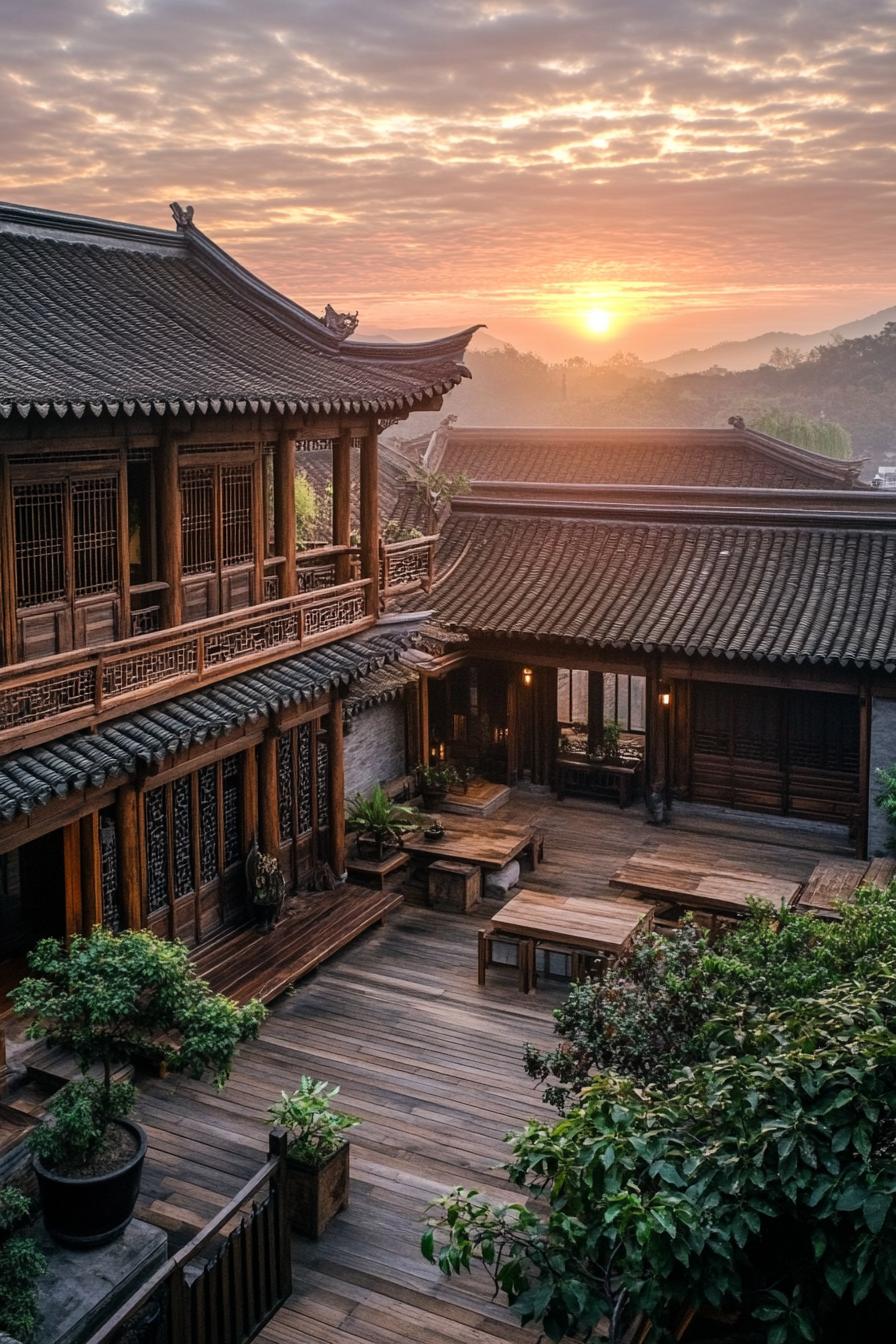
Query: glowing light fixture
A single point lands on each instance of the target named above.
(527, 676)
(665, 696)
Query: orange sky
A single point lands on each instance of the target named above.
(701, 170)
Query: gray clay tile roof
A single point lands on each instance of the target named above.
(812, 593)
(88, 759)
(379, 686)
(95, 316)
(675, 457)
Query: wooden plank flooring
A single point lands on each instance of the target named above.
(431, 1063)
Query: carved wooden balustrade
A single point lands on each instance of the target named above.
(407, 564)
(40, 699)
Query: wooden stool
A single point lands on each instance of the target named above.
(454, 886)
(525, 956)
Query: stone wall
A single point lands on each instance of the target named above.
(374, 747)
(882, 756)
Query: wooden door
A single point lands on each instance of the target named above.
(303, 799)
(218, 538)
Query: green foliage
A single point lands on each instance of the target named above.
(641, 1019)
(393, 531)
(762, 1178)
(313, 510)
(886, 797)
(124, 997)
(610, 740)
(315, 1130)
(379, 817)
(437, 487)
(819, 436)
(21, 1265)
(437, 777)
(79, 1116)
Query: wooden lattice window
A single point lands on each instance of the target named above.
(231, 810)
(236, 516)
(40, 542)
(193, 831)
(95, 534)
(65, 528)
(298, 776)
(198, 519)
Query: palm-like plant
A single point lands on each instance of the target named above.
(380, 820)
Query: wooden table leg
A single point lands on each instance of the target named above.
(483, 954)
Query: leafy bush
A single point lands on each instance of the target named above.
(762, 1179)
(21, 1265)
(378, 817)
(886, 797)
(819, 436)
(114, 998)
(315, 1129)
(81, 1113)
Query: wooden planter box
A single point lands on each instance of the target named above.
(454, 886)
(316, 1194)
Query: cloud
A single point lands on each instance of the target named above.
(466, 159)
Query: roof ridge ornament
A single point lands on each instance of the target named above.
(183, 214)
(736, 422)
(342, 325)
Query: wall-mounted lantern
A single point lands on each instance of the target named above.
(665, 695)
(527, 676)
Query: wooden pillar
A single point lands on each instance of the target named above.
(424, 719)
(342, 501)
(336, 759)
(285, 509)
(170, 538)
(546, 680)
(259, 522)
(124, 547)
(595, 711)
(513, 722)
(129, 858)
(9, 652)
(268, 795)
(71, 863)
(862, 814)
(370, 522)
(91, 872)
(250, 800)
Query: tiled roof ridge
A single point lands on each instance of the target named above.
(61, 226)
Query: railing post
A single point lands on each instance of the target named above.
(177, 1308)
(278, 1143)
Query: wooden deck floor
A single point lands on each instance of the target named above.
(432, 1065)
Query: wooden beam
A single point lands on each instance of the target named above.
(336, 760)
(91, 872)
(170, 531)
(124, 546)
(8, 632)
(71, 863)
(268, 796)
(129, 856)
(370, 521)
(342, 500)
(285, 509)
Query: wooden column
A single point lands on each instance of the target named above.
(124, 546)
(370, 522)
(71, 863)
(9, 652)
(129, 858)
(424, 719)
(546, 680)
(170, 539)
(285, 509)
(250, 799)
(259, 523)
(336, 759)
(862, 816)
(595, 711)
(268, 796)
(91, 872)
(342, 501)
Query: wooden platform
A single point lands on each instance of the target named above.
(246, 964)
(482, 799)
(835, 881)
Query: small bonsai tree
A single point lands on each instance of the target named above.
(21, 1265)
(117, 998)
(315, 1130)
(379, 819)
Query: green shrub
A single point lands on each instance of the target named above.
(315, 1130)
(21, 1265)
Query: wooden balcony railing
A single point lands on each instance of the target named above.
(404, 565)
(40, 699)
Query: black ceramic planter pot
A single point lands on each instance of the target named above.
(87, 1211)
(432, 798)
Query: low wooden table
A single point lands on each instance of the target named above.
(585, 924)
(376, 872)
(835, 881)
(489, 846)
(721, 891)
(598, 779)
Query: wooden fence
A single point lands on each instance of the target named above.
(223, 1293)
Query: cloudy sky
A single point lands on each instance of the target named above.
(696, 169)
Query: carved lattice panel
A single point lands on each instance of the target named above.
(231, 775)
(404, 568)
(310, 578)
(109, 880)
(39, 522)
(156, 818)
(333, 614)
(323, 782)
(197, 511)
(95, 535)
(148, 668)
(45, 699)
(254, 637)
(237, 544)
(208, 824)
(285, 785)
(182, 824)
(303, 759)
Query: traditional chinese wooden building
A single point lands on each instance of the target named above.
(171, 669)
(724, 598)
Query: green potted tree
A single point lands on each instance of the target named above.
(317, 1155)
(380, 822)
(113, 999)
(21, 1264)
(435, 781)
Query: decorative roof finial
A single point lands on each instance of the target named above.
(183, 214)
(736, 422)
(341, 324)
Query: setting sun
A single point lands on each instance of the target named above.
(598, 321)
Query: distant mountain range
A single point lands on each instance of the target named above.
(738, 355)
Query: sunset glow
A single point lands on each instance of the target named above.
(599, 321)
(466, 160)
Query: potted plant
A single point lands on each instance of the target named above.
(435, 781)
(317, 1154)
(112, 999)
(21, 1264)
(265, 887)
(379, 822)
